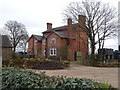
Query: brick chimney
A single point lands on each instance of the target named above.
(69, 22)
(49, 26)
(81, 20)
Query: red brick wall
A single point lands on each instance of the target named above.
(57, 45)
(81, 41)
(71, 50)
(33, 48)
(43, 47)
(84, 43)
(30, 46)
(72, 44)
(38, 48)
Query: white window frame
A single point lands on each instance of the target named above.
(53, 41)
(44, 42)
(53, 51)
(35, 42)
(44, 52)
(36, 52)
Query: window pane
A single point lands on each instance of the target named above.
(51, 52)
(44, 52)
(54, 51)
(53, 40)
(35, 42)
(44, 42)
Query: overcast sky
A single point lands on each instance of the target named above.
(34, 14)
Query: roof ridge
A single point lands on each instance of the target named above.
(60, 26)
(36, 35)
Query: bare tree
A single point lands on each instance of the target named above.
(16, 32)
(100, 21)
(23, 43)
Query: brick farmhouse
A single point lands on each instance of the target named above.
(64, 42)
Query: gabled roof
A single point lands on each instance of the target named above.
(4, 41)
(56, 29)
(38, 37)
(62, 28)
(62, 34)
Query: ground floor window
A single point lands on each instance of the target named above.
(53, 51)
(44, 53)
(36, 52)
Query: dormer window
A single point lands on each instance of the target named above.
(53, 40)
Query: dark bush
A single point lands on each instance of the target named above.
(36, 64)
(21, 63)
(19, 79)
(54, 58)
(48, 65)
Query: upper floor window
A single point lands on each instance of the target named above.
(53, 40)
(44, 42)
(53, 51)
(35, 42)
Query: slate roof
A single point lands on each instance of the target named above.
(62, 34)
(4, 41)
(38, 37)
(56, 29)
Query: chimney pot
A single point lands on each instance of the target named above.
(49, 26)
(82, 20)
(69, 21)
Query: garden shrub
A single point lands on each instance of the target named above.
(53, 58)
(36, 64)
(14, 55)
(21, 63)
(98, 63)
(50, 65)
(20, 78)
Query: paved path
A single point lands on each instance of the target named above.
(95, 73)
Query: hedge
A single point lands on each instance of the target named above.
(36, 64)
(20, 78)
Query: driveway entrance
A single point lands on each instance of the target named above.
(101, 74)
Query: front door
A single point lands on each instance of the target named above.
(75, 56)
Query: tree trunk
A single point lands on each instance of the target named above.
(92, 50)
(14, 49)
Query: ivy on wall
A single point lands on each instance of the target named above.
(63, 52)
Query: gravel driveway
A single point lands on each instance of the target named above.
(95, 73)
